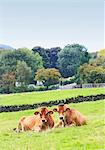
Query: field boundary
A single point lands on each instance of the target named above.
(78, 99)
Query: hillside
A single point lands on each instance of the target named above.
(5, 47)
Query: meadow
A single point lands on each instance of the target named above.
(88, 137)
(35, 97)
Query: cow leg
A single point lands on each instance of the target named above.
(63, 123)
(72, 125)
(23, 129)
(18, 127)
(17, 130)
(59, 124)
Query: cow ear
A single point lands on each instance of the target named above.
(55, 109)
(36, 113)
(67, 109)
(50, 112)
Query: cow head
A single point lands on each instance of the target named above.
(61, 109)
(44, 114)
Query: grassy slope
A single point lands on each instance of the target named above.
(89, 137)
(34, 97)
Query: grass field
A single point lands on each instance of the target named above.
(88, 137)
(34, 97)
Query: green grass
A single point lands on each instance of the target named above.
(34, 97)
(88, 137)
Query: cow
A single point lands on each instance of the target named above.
(29, 123)
(69, 117)
(40, 121)
(46, 118)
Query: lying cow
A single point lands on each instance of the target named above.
(69, 117)
(46, 118)
(29, 123)
(41, 120)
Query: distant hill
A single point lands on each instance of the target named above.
(5, 47)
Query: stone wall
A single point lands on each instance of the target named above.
(78, 99)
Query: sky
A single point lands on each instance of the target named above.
(51, 23)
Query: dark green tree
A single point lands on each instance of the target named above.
(49, 56)
(70, 58)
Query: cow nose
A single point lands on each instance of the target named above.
(61, 118)
(43, 120)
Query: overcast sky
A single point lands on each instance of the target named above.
(51, 23)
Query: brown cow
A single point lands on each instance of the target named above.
(40, 121)
(69, 117)
(29, 123)
(46, 118)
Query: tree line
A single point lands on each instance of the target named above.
(49, 66)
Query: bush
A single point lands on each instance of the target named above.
(40, 88)
(24, 88)
(54, 87)
(69, 80)
(27, 88)
(3, 90)
(31, 88)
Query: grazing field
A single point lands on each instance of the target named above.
(35, 97)
(88, 137)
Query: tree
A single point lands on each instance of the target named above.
(94, 71)
(90, 74)
(101, 53)
(48, 76)
(42, 52)
(100, 59)
(70, 58)
(53, 56)
(49, 56)
(9, 59)
(23, 73)
(8, 82)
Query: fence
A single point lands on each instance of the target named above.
(89, 85)
(93, 85)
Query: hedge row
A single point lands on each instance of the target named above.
(78, 99)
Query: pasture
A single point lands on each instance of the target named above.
(88, 137)
(35, 97)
